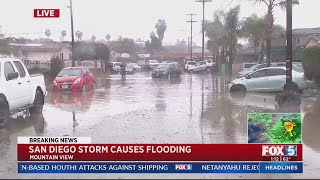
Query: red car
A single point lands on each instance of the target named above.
(74, 79)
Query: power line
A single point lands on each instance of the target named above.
(191, 22)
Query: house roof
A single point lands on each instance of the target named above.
(306, 31)
(56, 46)
(312, 38)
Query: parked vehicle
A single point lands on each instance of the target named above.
(134, 66)
(167, 70)
(19, 90)
(205, 65)
(271, 79)
(250, 70)
(247, 66)
(74, 79)
(115, 66)
(153, 64)
(129, 70)
(189, 65)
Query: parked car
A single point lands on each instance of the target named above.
(19, 90)
(134, 66)
(115, 66)
(247, 66)
(271, 79)
(250, 70)
(129, 70)
(153, 64)
(167, 70)
(74, 79)
(189, 65)
(201, 66)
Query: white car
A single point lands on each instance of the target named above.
(116, 66)
(189, 65)
(271, 79)
(134, 66)
(153, 64)
(19, 90)
(247, 66)
(205, 65)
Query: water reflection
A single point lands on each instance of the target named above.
(72, 101)
(20, 123)
(310, 126)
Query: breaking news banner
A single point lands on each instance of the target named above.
(163, 167)
(54, 155)
(159, 152)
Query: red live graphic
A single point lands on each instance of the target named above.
(46, 13)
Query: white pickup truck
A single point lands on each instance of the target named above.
(19, 90)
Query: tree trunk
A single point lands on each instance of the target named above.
(269, 33)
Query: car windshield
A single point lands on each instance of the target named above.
(69, 72)
(191, 63)
(153, 61)
(163, 66)
(248, 65)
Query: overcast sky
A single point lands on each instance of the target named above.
(133, 18)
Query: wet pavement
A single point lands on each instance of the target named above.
(140, 109)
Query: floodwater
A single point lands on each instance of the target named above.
(194, 109)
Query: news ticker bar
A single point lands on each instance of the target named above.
(159, 152)
(155, 167)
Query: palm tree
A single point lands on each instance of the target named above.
(108, 37)
(47, 33)
(79, 35)
(271, 4)
(63, 34)
(161, 27)
(93, 38)
(233, 32)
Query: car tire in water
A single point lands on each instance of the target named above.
(238, 91)
(4, 113)
(38, 103)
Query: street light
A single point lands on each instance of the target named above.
(203, 20)
(72, 34)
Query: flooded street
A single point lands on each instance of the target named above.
(140, 109)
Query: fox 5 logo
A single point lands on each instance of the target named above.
(289, 150)
(183, 167)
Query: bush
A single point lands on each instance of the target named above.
(56, 65)
(311, 64)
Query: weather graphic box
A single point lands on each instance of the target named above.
(274, 128)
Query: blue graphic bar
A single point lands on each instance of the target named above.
(178, 167)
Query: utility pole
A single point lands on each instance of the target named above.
(191, 42)
(289, 43)
(72, 35)
(203, 22)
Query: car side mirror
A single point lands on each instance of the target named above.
(13, 75)
(247, 76)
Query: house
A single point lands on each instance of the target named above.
(304, 35)
(313, 41)
(41, 52)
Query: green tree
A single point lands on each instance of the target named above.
(124, 45)
(161, 28)
(63, 34)
(4, 46)
(108, 37)
(233, 32)
(253, 28)
(93, 38)
(79, 35)
(56, 65)
(48, 33)
(271, 4)
(311, 64)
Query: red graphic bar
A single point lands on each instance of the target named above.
(46, 13)
(152, 152)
